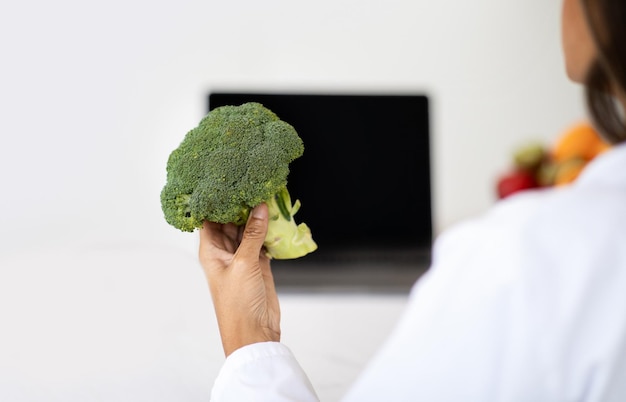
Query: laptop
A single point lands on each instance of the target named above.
(364, 182)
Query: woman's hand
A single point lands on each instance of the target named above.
(241, 281)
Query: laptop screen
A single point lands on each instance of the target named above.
(364, 179)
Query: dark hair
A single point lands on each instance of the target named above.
(607, 77)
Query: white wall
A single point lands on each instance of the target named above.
(94, 95)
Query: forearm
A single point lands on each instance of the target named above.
(236, 333)
(257, 367)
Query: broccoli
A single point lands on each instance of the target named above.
(235, 159)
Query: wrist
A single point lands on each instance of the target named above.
(236, 338)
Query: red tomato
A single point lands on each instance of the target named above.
(515, 181)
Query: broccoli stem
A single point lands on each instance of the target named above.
(286, 240)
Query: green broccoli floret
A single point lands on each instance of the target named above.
(237, 158)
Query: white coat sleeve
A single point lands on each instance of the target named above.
(265, 371)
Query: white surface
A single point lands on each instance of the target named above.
(135, 323)
(105, 324)
(334, 336)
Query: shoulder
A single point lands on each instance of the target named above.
(559, 222)
(560, 254)
(528, 293)
(538, 278)
(564, 244)
(489, 242)
(570, 239)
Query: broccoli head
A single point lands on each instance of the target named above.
(235, 159)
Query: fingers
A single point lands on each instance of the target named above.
(208, 236)
(254, 234)
(222, 237)
(209, 231)
(220, 242)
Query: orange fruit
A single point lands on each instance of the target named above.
(568, 171)
(580, 141)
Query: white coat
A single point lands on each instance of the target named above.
(526, 303)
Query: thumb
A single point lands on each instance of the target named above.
(254, 234)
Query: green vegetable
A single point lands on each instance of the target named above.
(237, 158)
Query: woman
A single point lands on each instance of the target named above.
(527, 303)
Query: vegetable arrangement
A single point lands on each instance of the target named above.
(235, 159)
(535, 166)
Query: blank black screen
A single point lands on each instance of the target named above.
(364, 179)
